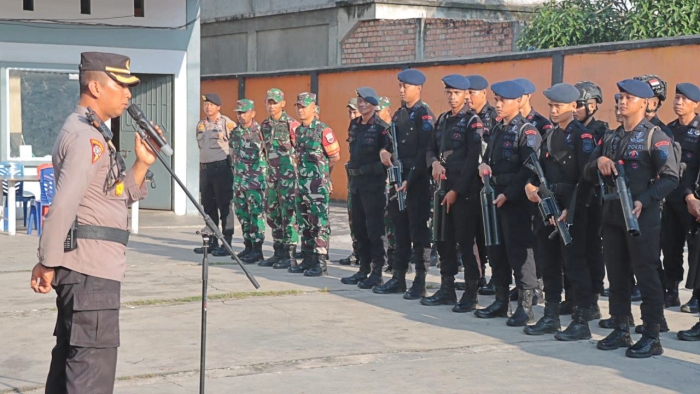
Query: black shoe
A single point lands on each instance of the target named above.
(444, 296)
(513, 294)
(255, 255)
(350, 260)
(248, 248)
(213, 245)
(299, 255)
(318, 267)
(488, 289)
(481, 282)
(523, 315)
(397, 284)
(671, 299)
(461, 286)
(499, 308)
(578, 330)
(690, 335)
(221, 251)
(469, 300)
(357, 277)
(693, 306)
(548, 324)
(566, 307)
(612, 322)
(620, 337)
(636, 294)
(649, 345)
(595, 311)
(276, 257)
(605, 293)
(417, 290)
(663, 327)
(306, 263)
(538, 293)
(288, 251)
(374, 279)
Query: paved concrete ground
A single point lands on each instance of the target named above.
(311, 335)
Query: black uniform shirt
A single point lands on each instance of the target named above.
(414, 126)
(366, 140)
(688, 138)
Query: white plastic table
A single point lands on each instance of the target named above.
(11, 199)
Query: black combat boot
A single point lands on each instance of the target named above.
(499, 308)
(298, 254)
(481, 282)
(255, 255)
(595, 310)
(306, 263)
(649, 345)
(445, 295)
(390, 261)
(397, 284)
(693, 305)
(690, 335)
(488, 289)
(620, 337)
(513, 294)
(469, 299)
(567, 306)
(548, 324)
(352, 259)
(417, 290)
(359, 276)
(460, 285)
(221, 251)
(276, 257)
(288, 251)
(248, 249)
(636, 294)
(538, 293)
(671, 298)
(523, 315)
(374, 278)
(611, 323)
(578, 329)
(213, 245)
(319, 265)
(663, 326)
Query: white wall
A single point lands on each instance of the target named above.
(158, 13)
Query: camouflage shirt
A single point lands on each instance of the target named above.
(279, 136)
(315, 143)
(248, 156)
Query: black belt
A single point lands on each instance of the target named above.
(214, 164)
(503, 179)
(369, 169)
(100, 233)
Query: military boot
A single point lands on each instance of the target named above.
(649, 345)
(359, 276)
(397, 284)
(213, 245)
(488, 289)
(690, 335)
(469, 299)
(663, 326)
(538, 293)
(288, 251)
(523, 315)
(636, 294)
(319, 265)
(671, 298)
(620, 337)
(445, 295)
(255, 255)
(298, 254)
(221, 251)
(578, 329)
(306, 263)
(374, 278)
(595, 310)
(248, 249)
(499, 308)
(417, 290)
(276, 257)
(567, 306)
(693, 305)
(352, 259)
(548, 324)
(611, 323)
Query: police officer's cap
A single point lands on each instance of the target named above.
(528, 87)
(562, 93)
(689, 90)
(508, 89)
(212, 98)
(636, 88)
(411, 76)
(368, 94)
(456, 81)
(352, 104)
(112, 64)
(477, 82)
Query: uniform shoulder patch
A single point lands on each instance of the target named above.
(200, 126)
(586, 135)
(328, 135)
(97, 150)
(230, 126)
(662, 143)
(530, 132)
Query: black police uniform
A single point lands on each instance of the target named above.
(367, 187)
(489, 118)
(456, 143)
(657, 122)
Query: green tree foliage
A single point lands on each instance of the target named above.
(578, 22)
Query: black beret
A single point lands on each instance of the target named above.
(212, 98)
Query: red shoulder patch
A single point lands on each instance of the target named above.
(427, 117)
(97, 150)
(531, 132)
(477, 125)
(662, 143)
(547, 126)
(586, 135)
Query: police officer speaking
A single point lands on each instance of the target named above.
(93, 192)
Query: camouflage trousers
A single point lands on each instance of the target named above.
(250, 210)
(312, 216)
(281, 210)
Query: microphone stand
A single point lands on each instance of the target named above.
(212, 229)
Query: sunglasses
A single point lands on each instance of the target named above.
(580, 104)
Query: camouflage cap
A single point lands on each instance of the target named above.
(244, 105)
(305, 99)
(275, 95)
(383, 103)
(353, 103)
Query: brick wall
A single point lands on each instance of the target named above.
(395, 40)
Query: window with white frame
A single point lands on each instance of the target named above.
(39, 103)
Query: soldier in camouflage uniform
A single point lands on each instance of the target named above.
(249, 168)
(281, 180)
(384, 113)
(316, 150)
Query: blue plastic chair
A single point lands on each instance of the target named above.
(15, 169)
(47, 183)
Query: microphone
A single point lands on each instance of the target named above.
(140, 118)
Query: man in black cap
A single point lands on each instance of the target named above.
(93, 191)
(565, 150)
(215, 176)
(660, 89)
(677, 220)
(512, 141)
(368, 135)
(651, 170)
(453, 156)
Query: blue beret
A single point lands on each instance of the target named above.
(636, 88)
(617, 98)
(477, 82)
(456, 81)
(368, 94)
(411, 76)
(508, 89)
(689, 90)
(528, 86)
(562, 93)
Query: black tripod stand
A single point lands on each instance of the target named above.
(211, 229)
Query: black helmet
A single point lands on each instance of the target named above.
(658, 85)
(589, 91)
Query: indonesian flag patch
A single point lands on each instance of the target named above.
(97, 150)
